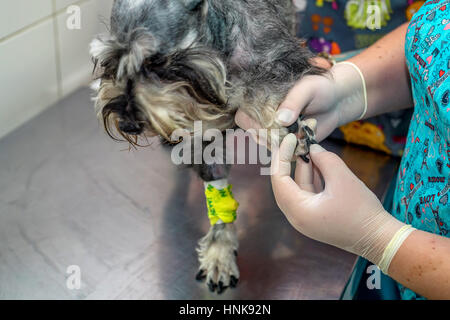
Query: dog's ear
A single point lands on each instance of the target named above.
(192, 4)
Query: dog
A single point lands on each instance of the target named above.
(168, 63)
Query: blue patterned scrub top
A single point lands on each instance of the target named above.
(422, 193)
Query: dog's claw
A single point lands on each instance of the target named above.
(293, 128)
(233, 281)
(200, 275)
(212, 286)
(305, 158)
(221, 288)
(308, 131)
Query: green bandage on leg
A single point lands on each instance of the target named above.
(221, 204)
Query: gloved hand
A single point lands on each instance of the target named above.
(333, 99)
(343, 212)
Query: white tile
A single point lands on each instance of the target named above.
(76, 64)
(18, 14)
(62, 4)
(104, 8)
(28, 75)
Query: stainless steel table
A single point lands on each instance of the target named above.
(131, 220)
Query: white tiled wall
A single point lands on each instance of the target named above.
(41, 60)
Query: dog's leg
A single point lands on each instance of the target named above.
(217, 251)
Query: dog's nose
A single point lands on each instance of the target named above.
(130, 127)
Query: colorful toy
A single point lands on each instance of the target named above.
(334, 4)
(321, 45)
(413, 7)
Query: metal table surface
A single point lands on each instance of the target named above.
(131, 220)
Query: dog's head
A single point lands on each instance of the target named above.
(155, 74)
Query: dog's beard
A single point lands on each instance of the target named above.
(190, 86)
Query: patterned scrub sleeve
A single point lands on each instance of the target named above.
(423, 185)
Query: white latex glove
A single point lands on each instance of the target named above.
(333, 99)
(344, 213)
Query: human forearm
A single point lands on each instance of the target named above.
(423, 264)
(387, 79)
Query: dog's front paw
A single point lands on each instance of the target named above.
(217, 253)
(306, 136)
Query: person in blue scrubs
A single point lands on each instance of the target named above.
(327, 202)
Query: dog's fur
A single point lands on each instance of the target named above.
(168, 63)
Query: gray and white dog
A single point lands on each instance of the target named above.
(168, 63)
